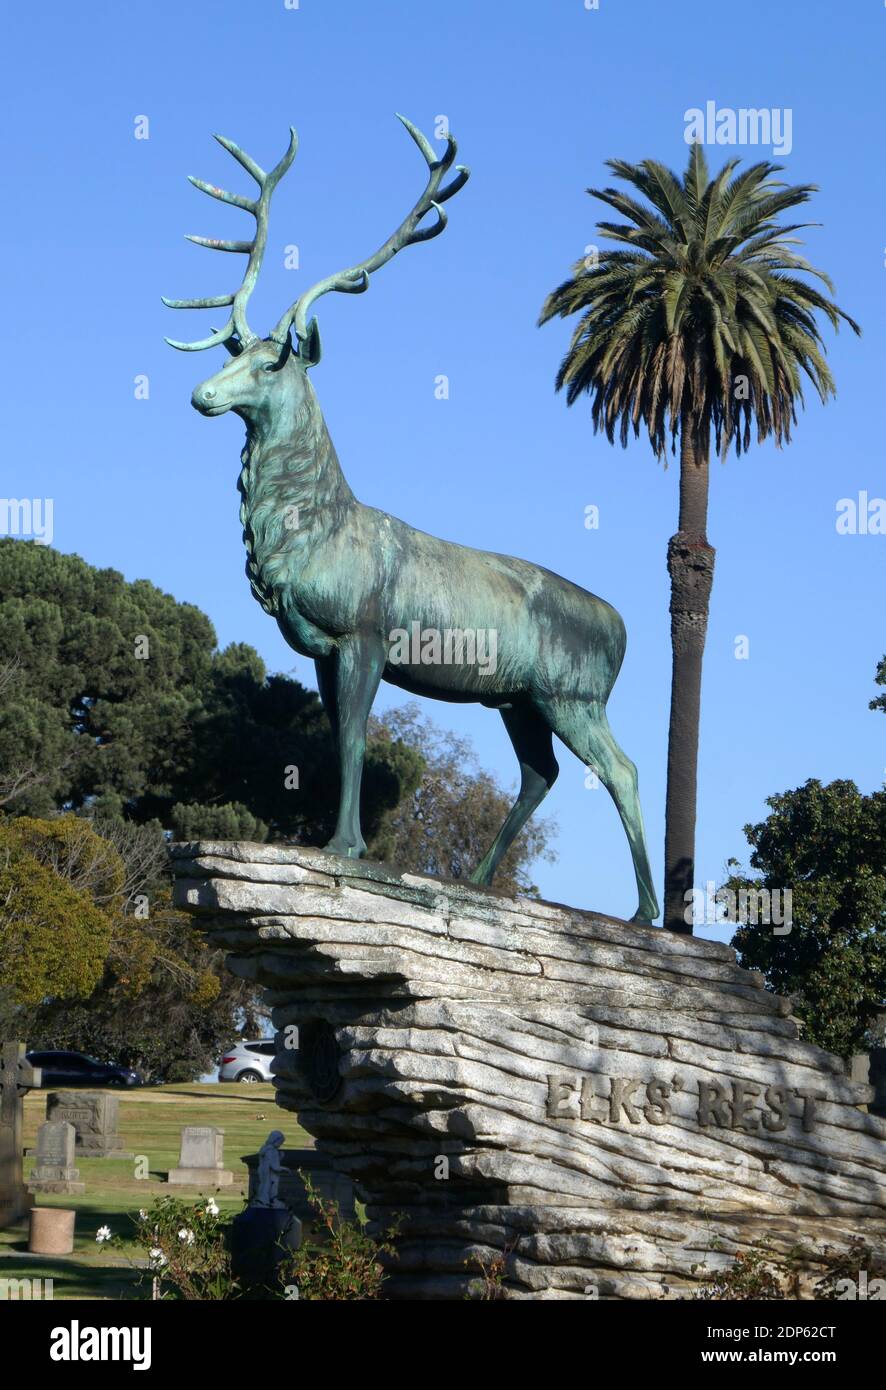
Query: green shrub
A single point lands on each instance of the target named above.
(338, 1261)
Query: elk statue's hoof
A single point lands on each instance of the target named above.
(347, 849)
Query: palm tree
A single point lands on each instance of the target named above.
(702, 323)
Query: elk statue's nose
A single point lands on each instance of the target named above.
(203, 397)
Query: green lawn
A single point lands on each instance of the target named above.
(150, 1124)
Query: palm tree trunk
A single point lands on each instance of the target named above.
(691, 567)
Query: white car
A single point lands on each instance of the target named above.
(248, 1061)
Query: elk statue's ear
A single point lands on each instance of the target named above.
(233, 344)
(285, 350)
(309, 348)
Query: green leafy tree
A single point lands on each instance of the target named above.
(827, 845)
(60, 886)
(879, 701)
(700, 325)
(156, 997)
(106, 678)
(170, 1026)
(94, 957)
(232, 821)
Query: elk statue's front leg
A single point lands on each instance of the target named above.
(348, 680)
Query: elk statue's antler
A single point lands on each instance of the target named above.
(236, 333)
(355, 279)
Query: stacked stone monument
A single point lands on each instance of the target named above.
(604, 1109)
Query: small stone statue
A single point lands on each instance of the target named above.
(270, 1166)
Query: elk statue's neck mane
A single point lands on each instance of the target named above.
(293, 494)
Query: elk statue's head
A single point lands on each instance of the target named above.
(266, 377)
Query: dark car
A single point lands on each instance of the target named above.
(76, 1069)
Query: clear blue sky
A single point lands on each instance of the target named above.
(539, 94)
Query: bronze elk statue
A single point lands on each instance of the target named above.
(345, 581)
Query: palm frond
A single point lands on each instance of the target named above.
(703, 287)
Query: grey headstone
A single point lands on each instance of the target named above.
(201, 1161)
(56, 1141)
(202, 1147)
(54, 1170)
(94, 1117)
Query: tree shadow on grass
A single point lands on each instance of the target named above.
(249, 1093)
(71, 1278)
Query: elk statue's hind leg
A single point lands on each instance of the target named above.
(584, 728)
(533, 745)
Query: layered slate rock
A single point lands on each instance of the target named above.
(587, 1107)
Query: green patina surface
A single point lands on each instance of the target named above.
(371, 598)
